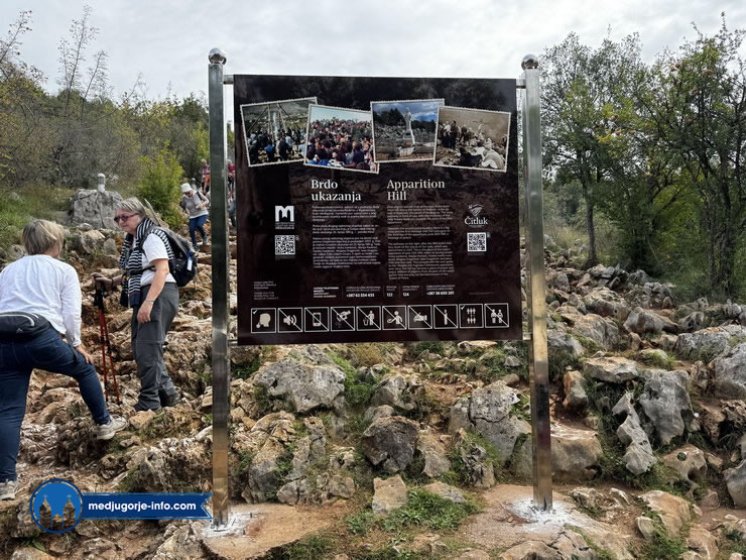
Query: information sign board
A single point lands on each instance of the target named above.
(376, 209)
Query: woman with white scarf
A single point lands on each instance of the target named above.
(150, 290)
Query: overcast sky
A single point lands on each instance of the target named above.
(167, 41)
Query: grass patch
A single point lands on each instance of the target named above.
(600, 552)
(359, 388)
(309, 548)
(473, 444)
(368, 354)
(733, 543)
(657, 359)
(430, 346)
(661, 545)
(423, 510)
(21, 206)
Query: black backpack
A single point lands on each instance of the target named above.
(183, 266)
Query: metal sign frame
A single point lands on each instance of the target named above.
(537, 335)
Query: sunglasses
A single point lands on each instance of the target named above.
(122, 218)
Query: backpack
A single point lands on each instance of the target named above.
(183, 265)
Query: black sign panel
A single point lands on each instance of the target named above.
(376, 209)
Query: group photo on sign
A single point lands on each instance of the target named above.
(276, 132)
(341, 138)
(472, 138)
(302, 130)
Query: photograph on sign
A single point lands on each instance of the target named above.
(472, 139)
(412, 245)
(404, 130)
(340, 138)
(275, 132)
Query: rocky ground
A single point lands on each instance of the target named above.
(421, 450)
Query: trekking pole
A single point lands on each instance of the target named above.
(107, 356)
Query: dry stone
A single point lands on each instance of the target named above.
(611, 369)
(735, 481)
(305, 387)
(488, 411)
(666, 403)
(94, 208)
(388, 494)
(390, 442)
(729, 381)
(576, 454)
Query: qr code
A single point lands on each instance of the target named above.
(284, 245)
(476, 242)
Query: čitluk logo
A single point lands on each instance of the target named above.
(474, 217)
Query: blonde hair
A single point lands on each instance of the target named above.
(143, 209)
(40, 236)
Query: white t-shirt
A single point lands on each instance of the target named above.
(153, 249)
(47, 286)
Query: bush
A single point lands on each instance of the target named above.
(160, 186)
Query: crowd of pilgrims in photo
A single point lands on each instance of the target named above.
(472, 148)
(265, 148)
(341, 143)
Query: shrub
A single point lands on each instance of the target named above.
(160, 186)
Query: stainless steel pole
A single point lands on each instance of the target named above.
(537, 313)
(220, 287)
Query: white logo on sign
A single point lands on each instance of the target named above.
(284, 214)
(475, 209)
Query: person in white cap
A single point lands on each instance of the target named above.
(195, 204)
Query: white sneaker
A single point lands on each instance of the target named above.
(114, 425)
(8, 490)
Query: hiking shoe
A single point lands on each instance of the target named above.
(8, 489)
(114, 425)
(139, 407)
(169, 399)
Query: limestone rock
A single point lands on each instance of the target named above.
(673, 511)
(390, 443)
(601, 330)
(690, 465)
(401, 392)
(531, 550)
(729, 381)
(735, 481)
(612, 369)
(488, 411)
(576, 454)
(94, 208)
(666, 403)
(305, 387)
(564, 348)
(606, 303)
(639, 457)
(434, 453)
(575, 396)
(388, 494)
(445, 491)
(476, 466)
(643, 321)
(708, 343)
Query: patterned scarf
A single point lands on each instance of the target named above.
(130, 260)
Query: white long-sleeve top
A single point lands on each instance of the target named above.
(47, 286)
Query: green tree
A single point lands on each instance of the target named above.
(701, 119)
(584, 93)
